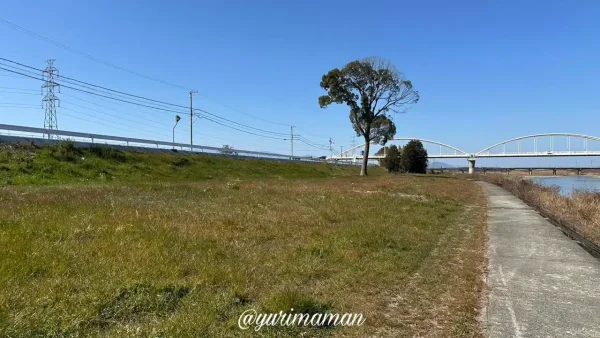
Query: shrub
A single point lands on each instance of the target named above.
(108, 153)
(66, 151)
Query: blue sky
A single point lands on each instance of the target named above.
(486, 70)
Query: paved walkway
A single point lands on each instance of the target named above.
(541, 283)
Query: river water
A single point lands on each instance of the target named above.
(568, 184)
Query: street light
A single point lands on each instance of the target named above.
(177, 118)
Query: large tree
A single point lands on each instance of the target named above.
(372, 88)
(414, 157)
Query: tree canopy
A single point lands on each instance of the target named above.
(414, 157)
(391, 161)
(372, 88)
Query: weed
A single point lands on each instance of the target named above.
(108, 153)
(180, 162)
(233, 185)
(140, 301)
(66, 151)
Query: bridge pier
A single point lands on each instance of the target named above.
(554, 172)
(530, 172)
(471, 165)
(578, 171)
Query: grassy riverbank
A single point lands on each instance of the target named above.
(579, 211)
(175, 255)
(26, 165)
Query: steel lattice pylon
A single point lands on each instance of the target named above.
(50, 101)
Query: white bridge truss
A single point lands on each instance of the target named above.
(538, 145)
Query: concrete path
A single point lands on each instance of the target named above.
(541, 283)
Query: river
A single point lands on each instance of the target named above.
(568, 184)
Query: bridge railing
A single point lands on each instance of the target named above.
(45, 136)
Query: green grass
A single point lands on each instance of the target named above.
(63, 163)
(181, 255)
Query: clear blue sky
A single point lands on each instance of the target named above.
(486, 70)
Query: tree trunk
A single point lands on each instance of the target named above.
(365, 162)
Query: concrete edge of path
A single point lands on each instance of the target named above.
(539, 283)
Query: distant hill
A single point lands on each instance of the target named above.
(437, 165)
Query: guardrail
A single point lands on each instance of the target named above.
(39, 134)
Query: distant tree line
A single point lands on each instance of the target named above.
(411, 159)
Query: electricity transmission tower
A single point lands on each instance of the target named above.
(50, 100)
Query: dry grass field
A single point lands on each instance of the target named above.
(185, 259)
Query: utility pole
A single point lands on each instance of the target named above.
(191, 121)
(50, 100)
(292, 141)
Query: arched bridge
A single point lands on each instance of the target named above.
(538, 145)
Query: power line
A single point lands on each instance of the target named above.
(88, 85)
(162, 124)
(271, 137)
(65, 79)
(11, 75)
(110, 121)
(142, 104)
(19, 107)
(240, 124)
(91, 93)
(88, 56)
(136, 101)
(106, 63)
(312, 145)
(25, 89)
(19, 104)
(79, 118)
(301, 136)
(119, 117)
(15, 92)
(95, 94)
(313, 135)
